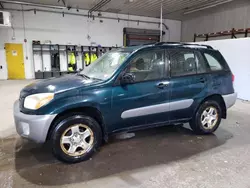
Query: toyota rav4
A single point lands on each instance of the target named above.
(125, 90)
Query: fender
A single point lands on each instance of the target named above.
(98, 98)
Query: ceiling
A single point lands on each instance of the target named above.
(172, 9)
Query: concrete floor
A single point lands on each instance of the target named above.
(164, 157)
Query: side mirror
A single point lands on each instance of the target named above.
(128, 78)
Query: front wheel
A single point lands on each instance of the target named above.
(207, 118)
(75, 138)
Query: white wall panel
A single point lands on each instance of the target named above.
(236, 53)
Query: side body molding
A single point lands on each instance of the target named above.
(155, 109)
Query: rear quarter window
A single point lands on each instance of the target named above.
(213, 63)
(216, 61)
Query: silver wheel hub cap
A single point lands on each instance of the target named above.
(79, 141)
(76, 138)
(209, 118)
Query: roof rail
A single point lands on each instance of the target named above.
(183, 44)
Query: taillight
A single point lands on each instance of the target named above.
(233, 77)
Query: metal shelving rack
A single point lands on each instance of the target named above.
(41, 49)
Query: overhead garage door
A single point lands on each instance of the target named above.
(133, 37)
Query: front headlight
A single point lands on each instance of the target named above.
(36, 101)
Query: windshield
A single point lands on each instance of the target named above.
(104, 67)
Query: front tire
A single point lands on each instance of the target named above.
(207, 118)
(75, 138)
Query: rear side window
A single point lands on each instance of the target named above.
(213, 62)
(186, 62)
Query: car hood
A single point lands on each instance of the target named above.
(57, 85)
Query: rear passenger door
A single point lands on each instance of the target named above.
(188, 82)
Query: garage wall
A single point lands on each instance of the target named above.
(71, 30)
(236, 53)
(221, 18)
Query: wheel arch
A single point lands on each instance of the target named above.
(87, 110)
(218, 98)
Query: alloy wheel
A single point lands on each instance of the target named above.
(77, 140)
(209, 117)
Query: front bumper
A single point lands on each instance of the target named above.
(230, 99)
(32, 127)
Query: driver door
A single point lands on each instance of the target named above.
(142, 103)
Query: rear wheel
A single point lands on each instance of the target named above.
(207, 118)
(76, 138)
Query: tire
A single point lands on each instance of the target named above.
(65, 128)
(196, 122)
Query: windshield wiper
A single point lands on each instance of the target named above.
(97, 79)
(87, 77)
(83, 75)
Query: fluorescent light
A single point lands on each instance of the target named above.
(206, 7)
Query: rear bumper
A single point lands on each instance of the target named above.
(32, 127)
(230, 99)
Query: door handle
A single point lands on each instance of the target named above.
(162, 85)
(202, 80)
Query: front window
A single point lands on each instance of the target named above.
(104, 67)
(148, 65)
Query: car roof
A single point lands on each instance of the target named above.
(167, 44)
